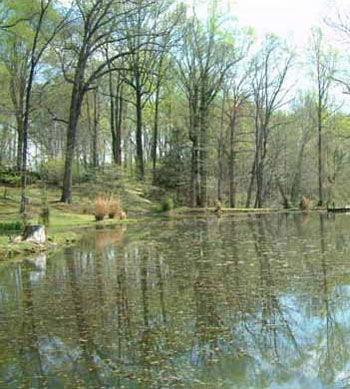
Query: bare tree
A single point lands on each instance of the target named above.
(323, 61)
(144, 77)
(203, 63)
(100, 23)
(270, 68)
(240, 92)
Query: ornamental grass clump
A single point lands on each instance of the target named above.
(101, 208)
(305, 203)
(115, 208)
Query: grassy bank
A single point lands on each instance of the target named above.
(66, 222)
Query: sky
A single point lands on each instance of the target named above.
(291, 19)
(286, 18)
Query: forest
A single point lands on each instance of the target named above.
(174, 190)
(184, 102)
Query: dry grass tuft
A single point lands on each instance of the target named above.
(101, 208)
(305, 203)
(115, 208)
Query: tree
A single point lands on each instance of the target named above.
(270, 68)
(240, 92)
(323, 61)
(44, 29)
(15, 56)
(205, 57)
(145, 65)
(100, 24)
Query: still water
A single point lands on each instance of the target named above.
(239, 302)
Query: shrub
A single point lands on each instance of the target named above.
(101, 208)
(115, 208)
(11, 226)
(52, 171)
(9, 177)
(167, 204)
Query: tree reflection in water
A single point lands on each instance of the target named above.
(230, 302)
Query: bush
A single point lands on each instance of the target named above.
(167, 204)
(52, 171)
(101, 208)
(115, 208)
(9, 177)
(11, 226)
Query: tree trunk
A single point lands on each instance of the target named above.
(95, 156)
(221, 149)
(111, 114)
(139, 146)
(19, 158)
(295, 191)
(194, 173)
(24, 200)
(155, 131)
(118, 124)
(203, 154)
(72, 130)
(250, 188)
(320, 155)
(232, 159)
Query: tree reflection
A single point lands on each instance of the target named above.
(334, 357)
(85, 336)
(32, 366)
(217, 303)
(274, 326)
(208, 323)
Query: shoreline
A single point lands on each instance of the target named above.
(62, 233)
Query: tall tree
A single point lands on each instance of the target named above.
(15, 56)
(99, 24)
(323, 61)
(238, 86)
(271, 65)
(147, 30)
(205, 58)
(44, 27)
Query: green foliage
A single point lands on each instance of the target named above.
(167, 204)
(11, 226)
(9, 177)
(52, 172)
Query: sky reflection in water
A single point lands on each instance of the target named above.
(253, 302)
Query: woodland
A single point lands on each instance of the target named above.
(193, 106)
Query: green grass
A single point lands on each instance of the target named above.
(67, 222)
(15, 225)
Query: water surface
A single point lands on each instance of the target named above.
(239, 302)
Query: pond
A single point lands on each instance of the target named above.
(235, 302)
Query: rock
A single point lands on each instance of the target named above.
(122, 215)
(17, 239)
(35, 234)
